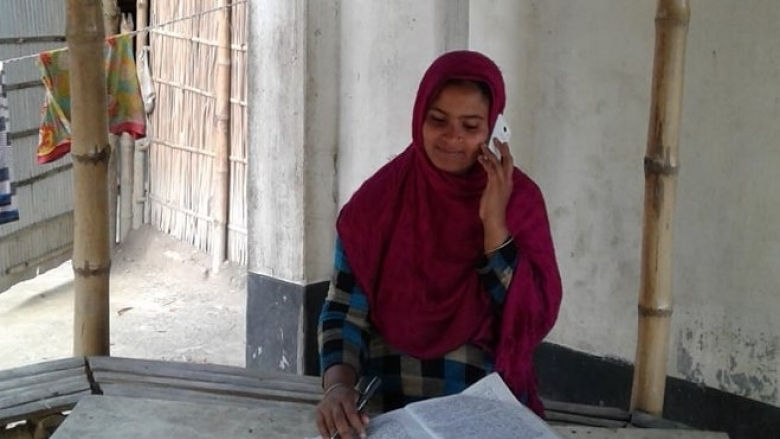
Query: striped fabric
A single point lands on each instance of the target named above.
(346, 336)
(8, 211)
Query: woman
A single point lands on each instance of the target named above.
(444, 268)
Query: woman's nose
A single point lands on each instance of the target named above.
(452, 134)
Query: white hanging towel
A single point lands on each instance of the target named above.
(148, 94)
(8, 211)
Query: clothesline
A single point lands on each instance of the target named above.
(137, 31)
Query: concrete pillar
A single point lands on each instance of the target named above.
(293, 102)
(331, 89)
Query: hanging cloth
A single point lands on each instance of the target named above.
(124, 104)
(145, 80)
(8, 211)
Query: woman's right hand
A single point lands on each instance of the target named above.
(337, 412)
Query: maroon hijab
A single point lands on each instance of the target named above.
(413, 237)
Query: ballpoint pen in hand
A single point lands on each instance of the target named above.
(365, 395)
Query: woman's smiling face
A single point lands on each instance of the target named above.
(455, 126)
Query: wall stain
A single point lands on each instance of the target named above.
(733, 361)
(687, 366)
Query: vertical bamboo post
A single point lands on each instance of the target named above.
(220, 179)
(111, 180)
(655, 296)
(111, 15)
(90, 152)
(141, 15)
(126, 149)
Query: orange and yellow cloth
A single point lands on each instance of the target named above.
(125, 107)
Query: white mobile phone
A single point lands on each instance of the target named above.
(500, 132)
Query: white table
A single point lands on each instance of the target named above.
(124, 418)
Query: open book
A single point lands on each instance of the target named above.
(487, 410)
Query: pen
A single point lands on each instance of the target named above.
(365, 396)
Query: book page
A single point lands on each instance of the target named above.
(486, 410)
(397, 424)
(492, 387)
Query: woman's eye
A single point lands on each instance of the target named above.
(437, 120)
(471, 127)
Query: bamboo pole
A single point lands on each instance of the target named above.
(141, 15)
(126, 149)
(89, 151)
(111, 16)
(655, 296)
(221, 181)
(111, 180)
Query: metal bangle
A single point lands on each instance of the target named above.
(332, 387)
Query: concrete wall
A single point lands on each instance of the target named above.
(578, 76)
(385, 49)
(726, 330)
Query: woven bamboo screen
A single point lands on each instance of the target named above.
(181, 151)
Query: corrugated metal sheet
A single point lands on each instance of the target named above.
(25, 106)
(45, 198)
(27, 69)
(29, 18)
(43, 235)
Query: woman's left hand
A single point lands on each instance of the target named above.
(492, 206)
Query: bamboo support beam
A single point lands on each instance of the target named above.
(655, 296)
(221, 179)
(126, 147)
(113, 189)
(198, 40)
(203, 152)
(180, 209)
(126, 163)
(191, 213)
(195, 90)
(90, 152)
(190, 149)
(126, 151)
(111, 18)
(138, 154)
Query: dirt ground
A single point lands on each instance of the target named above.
(164, 303)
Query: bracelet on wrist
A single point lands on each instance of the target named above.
(333, 387)
(503, 244)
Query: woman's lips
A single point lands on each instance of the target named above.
(449, 151)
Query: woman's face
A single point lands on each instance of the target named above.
(455, 126)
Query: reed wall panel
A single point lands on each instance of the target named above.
(182, 127)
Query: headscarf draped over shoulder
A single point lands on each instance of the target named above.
(413, 237)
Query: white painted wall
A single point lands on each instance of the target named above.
(578, 77)
(385, 49)
(727, 279)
